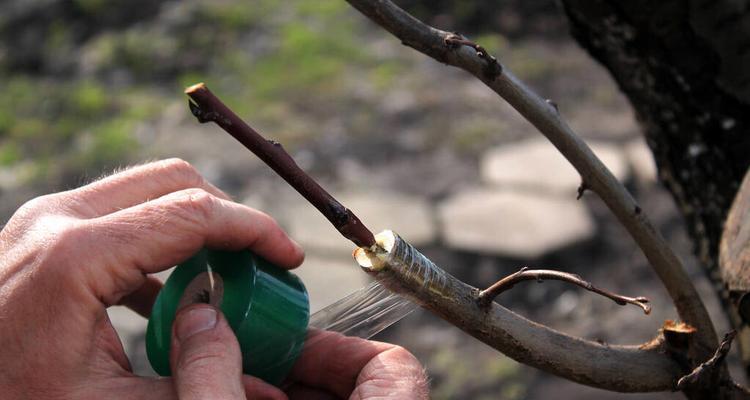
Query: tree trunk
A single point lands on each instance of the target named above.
(685, 67)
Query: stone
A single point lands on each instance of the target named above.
(410, 216)
(513, 223)
(537, 165)
(641, 161)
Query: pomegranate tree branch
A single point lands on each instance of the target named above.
(486, 296)
(457, 51)
(401, 268)
(206, 107)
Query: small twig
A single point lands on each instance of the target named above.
(710, 369)
(206, 107)
(486, 296)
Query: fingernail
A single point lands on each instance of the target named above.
(194, 321)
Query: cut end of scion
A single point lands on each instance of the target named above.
(373, 258)
(195, 88)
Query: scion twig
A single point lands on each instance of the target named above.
(206, 107)
(486, 296)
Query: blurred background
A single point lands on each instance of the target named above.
(89, 86)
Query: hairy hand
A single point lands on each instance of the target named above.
(68, 256)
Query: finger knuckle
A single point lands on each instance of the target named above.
(268, 230)
(39, 205)
(195, 205)
(62, 245)
(182, 171)
(27, 219)
(67, 235)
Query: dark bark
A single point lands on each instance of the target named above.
(206, 107)
(685, 67)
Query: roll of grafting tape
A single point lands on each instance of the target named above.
(266, 306)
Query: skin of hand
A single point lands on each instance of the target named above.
(68, 256)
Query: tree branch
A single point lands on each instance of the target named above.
(486, 296)
(404, 270)
(441, 46)
(208, 107)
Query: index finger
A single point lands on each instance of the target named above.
(137, 185)
(158, 234)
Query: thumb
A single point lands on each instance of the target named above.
(205, 358)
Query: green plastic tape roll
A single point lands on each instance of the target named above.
(266, 306)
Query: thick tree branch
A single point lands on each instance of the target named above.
(441, 46)
(401, 268)
(486, 296)
(208, 107)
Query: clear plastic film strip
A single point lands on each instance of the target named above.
(364, 313)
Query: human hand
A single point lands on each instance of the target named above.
(70, 255)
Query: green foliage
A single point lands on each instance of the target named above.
(86, 120)
(287, 64)
(72, 125)
(89, 98)
(10, 153)
(111, 142)
(234, 15)
(384, 74)
(308, 52)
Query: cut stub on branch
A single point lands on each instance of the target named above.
(677, 334)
